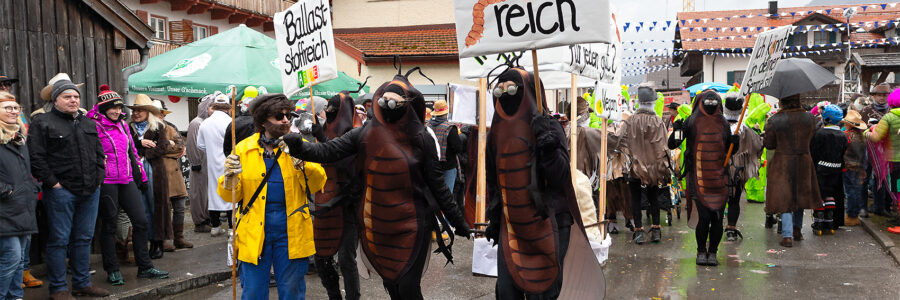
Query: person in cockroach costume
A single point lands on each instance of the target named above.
(334, 225)
(743, 165)
(532, 208)
(707, 136)
(403, 189)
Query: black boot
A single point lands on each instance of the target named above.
(638, 237)
(818, 222)
(156, 249)
(701, 258)
(711, 259)
(770, 220)
(655, 235)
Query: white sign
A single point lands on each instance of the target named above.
(766, 54)
(598, 61)
(306, 53)
(485, 27)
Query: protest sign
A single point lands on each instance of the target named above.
(597, 61)
(305, 43)
(486, 27)
(766, 54)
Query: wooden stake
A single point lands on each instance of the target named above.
(736, 130)
(602, 198)
(234, 213)
(573, 128)
(481, 192)
(537, 82)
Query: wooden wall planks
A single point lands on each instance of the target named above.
(39, 39)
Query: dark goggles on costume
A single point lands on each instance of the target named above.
(511, 90)
(288, 115)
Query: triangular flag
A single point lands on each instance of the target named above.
(668, 23)
(883, 6)
(864, 7)
(828, 11)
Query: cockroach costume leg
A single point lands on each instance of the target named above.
(532, 201)
(403, 192)
(335, 225)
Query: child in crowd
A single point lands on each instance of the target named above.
(827, 149)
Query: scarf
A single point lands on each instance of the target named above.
(141, 127)
(10, 133)
(880, 107)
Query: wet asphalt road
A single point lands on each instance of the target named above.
(848, 265)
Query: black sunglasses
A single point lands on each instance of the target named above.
(288, 115)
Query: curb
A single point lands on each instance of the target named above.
(886, 243)
(173, 288)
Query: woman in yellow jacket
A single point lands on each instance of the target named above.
(275, 230)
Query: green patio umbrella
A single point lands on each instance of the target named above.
(332, 87)
(240, 56)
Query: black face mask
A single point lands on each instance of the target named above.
(393, 115)
(331, 111)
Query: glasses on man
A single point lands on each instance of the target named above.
(281, 116)
(12, 109)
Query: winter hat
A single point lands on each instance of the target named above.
(61, 86)
(733, 106)
(108, 99)
(47, 90)
(646, 97)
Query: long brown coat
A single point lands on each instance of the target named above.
(791, 174)
(162, 216)
(174, 152)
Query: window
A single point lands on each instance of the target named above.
(820, 37)
(797, 39)
(159, 25)
(735, 76)
(200, 32)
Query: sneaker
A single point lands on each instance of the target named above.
(91, 291)
(613, 228)
(153, 273)
(115, 278)
(732, 235)
(864, 213)
(202, 228)
(770, 221)
(638, 237)
(711, 259)
(655, 235)
(62, 295)
(216, 231)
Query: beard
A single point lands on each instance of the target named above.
(276, 131)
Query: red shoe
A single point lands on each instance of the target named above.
(895, 229)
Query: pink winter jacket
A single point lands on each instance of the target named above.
(115, 137)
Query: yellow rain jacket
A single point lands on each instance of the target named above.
(250, 233)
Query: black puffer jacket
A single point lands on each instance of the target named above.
(65, 150)
(18, 192)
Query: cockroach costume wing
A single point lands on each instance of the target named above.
(340, 188)
(705, 154)
(531, 196)
(398, 209)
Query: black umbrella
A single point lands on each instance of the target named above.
(797, 75)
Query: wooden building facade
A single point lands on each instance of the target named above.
(84, 38)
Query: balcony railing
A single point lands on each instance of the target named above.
(131, 57)
(264, 7)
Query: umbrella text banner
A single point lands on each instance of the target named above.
(765, 56)
(305, 43)
(485, 27)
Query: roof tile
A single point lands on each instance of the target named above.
(407, 40)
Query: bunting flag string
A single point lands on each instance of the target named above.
(862, 43)
(684, 23)
(650, 69)
(801, 28)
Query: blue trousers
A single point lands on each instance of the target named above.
(147, 196)
(450, 178)
(789, 221)
(289, 273)
(12, 263)
(72, 220)
(854, 193)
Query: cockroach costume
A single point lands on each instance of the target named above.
(334, 225)
(707, 138)
(403, 188)
(532, 203)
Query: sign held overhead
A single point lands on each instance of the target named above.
(485, 27)
(305, 42)
(766, 54)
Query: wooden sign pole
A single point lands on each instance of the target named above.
(738, 129)
(234, 213)
(602, 195)
(481, 192)
(537, 82)
(573, 128)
